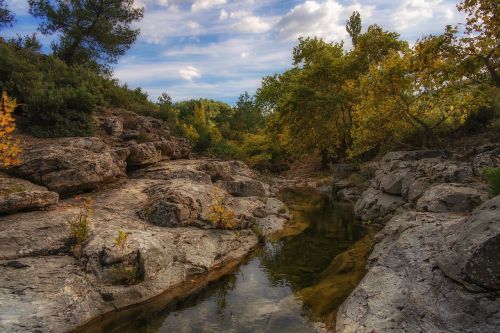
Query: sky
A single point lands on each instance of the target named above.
(221, 48)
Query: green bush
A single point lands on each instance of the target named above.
(492, 175)
(57, 100)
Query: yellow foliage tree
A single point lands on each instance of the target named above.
(9, 147)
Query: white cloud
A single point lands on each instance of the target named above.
(325, 19)
(223, 15)
(189, 73)
(206, 4)
(413, 13)
(252, 24)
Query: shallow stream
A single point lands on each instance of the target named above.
(294, 283)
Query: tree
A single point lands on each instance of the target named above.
(9, 148)
(482, 35)
(6, 16)
(353, 26)
(91, 31)
(165, 99)
(247, 117)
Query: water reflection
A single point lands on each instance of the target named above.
(286, 286)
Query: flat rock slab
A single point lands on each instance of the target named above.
(451, 197)
(18, 194)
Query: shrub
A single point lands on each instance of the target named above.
(80, 225)
(219, 214)
(121, 240)
(492, 175)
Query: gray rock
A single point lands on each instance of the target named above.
(376, 206)
(241, 186)
(343, 170)
(405, 291)
(143, 154)
(113, 126)
(350, 194)
(69, 165)
(471, 254)
(17, 194)
(486, 156)
(451, 197)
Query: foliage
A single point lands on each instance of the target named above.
(6, 16)
(121, 240)
(492, 175)
(9, 148)
(95, 31)
(80, 224)
(56, 99)
(221, 216)
(353, 26)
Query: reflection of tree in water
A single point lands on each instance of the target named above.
(298, 260)
(221, 294)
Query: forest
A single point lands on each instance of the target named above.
(346, 104)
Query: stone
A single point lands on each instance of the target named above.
(451, 197)
(486, 156)
(376, 206)
(18, 194)
(143, 154)
(405, 291)
(113, 126)
(471, 254)
(350, 194)
(241, 186)
(68, 165)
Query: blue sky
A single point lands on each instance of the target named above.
(221, 48)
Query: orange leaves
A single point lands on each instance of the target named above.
(9, 147)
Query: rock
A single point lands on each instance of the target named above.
(130, 135)
(486, 156)
(175, 148)
(271, 224)
(376, 206)
(168, 170)
(69, 165)
(113, 126)
(179, 203)
(471, 254)
(241, 186)
(451, 197)
(49, 290)
(413, 155)
(17, 194)
(405, 291)
(350, 194)
(143, 154)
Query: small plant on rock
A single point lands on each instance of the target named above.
(80, 224)
(220, 215)
(492, 175)
(121, 240)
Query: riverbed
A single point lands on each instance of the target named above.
(293, 283)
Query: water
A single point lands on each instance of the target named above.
(291, 284)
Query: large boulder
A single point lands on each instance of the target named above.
(486, 156)
(143, 154)
(451, 197)
(18, 194)
(377, 206)
(398, 167)
(405, 291)
(69, 165)
(471, 254)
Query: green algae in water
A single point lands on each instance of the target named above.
(288, 285)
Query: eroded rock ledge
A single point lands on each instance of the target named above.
(163, 207)
(436, 265)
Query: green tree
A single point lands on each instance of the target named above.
(247, 117)
(91, 31)
(6, 16)
(353, 26)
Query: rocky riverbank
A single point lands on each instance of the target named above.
(436, 264)
(143, 185)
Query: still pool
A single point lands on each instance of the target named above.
(294, 283)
